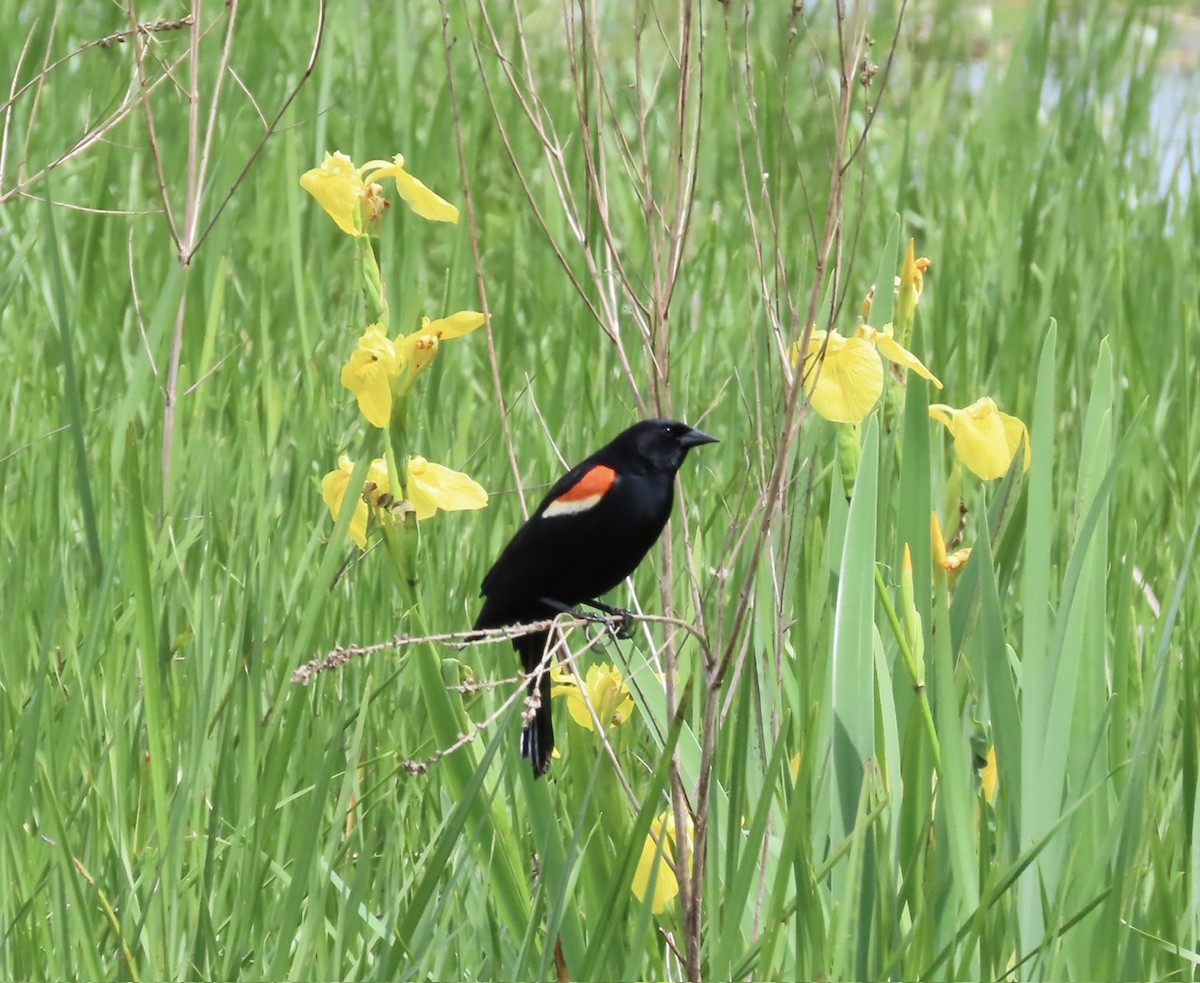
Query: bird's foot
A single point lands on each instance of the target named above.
(619, 620)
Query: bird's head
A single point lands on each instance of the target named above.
(661, 445)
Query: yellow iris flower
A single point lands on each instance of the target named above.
(352, 197)
(606, 691)
(985, 439)
(375, 367)
(333, 490)
(661, 840)
(908, 285)
(430, 487)
(849, 383)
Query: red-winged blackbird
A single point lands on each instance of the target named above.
(590, 533)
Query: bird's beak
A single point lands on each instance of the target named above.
(695, 438)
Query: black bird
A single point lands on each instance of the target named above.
(590, 533)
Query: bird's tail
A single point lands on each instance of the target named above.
(537, 739)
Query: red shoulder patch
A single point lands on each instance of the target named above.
(595, 481)
(585, 493)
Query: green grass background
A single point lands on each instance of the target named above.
(172, 806)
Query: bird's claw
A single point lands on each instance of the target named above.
(620, 623)
(616, 625)
(618, 620)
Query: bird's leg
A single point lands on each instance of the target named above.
(623, 616)
(608, 619)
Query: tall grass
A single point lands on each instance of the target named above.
(657, 201)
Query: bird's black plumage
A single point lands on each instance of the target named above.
(588, 534)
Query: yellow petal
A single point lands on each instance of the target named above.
(333, 485)
(565, 685)
(623, 711)
(911, 271)
(938, 542)
(333, 490)
(338, 187)
(432, 487)
(942, 413)
(377, 475)
(601, 688)
(815, 341)
(423, 201)
(376, 341)
(421, 352)
(370, 373)
(981, 444)
(893, 351)
(990, 776)
(418, 197)
(985, 439)
(604, 687)
(578, 710)
(661, 841)
(1016, 434)
(418, 350)
(910, 282)
(609, 695)
(454, 326)
(849, 383)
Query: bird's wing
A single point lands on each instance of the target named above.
(524, 560)
(579, 477)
